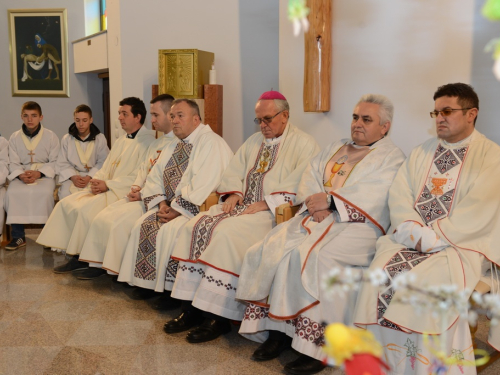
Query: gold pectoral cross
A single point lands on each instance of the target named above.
(87, 167)
(31, 154)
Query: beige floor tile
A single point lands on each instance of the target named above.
(23, 292)
(26, 360)
(13, 310)
(102, 333)
(22, 333)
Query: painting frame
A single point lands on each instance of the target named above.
(38, 46)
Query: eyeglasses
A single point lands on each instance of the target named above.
(446, 112)
(265, 120)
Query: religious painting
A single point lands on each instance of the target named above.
(38, 52)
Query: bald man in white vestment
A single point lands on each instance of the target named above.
(70, 221)
(344, 191)
(188, 171)
(445, 214)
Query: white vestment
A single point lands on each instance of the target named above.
(211, 247)
(281, 275)
(200, 171)
(70, 221)
(33, 203)
(4, 172)
(70, 163)
(459, 203)
(107, 239)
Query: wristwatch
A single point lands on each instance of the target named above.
(329, 199)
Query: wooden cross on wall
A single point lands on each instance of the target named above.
(318, 57)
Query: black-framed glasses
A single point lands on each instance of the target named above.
(446, 112)
(266, 120)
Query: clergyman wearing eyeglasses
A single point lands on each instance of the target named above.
(445, 226)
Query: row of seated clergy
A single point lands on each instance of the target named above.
(280, 276)
(34, 158)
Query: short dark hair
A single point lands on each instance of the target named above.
(83, 108)
(33, 106)
(191, 103)
(166, 101)
(137, 107)
(467, 97)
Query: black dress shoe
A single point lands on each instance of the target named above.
(141, 294)
(72, 265)
(271, 348)
(165, 302)
(187, 320)
(304, 365)
(209, 330)
(90, 273)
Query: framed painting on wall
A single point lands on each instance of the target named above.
(38, 52)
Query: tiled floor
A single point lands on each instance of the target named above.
(55, 324)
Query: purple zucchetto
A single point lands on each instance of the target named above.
(271, 95)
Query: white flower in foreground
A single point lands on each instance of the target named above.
(477, 298)
(472, 318)
(377, 277)
(496, 69)
(402, 280)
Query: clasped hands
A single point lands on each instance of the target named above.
(80, 181)
(98, 186)
(166, 213)
(135, 194)
(318, 206)
(234, 199)
(29, 176)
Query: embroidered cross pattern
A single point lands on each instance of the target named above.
(204, 228)
(436, 198)
(401, 262)
(145, 264)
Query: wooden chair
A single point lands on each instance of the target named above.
(285, 212)
(212, 200)
(482, 288)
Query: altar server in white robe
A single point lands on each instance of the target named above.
(107, 240)
(33, 154)
(70, 221)
(188, 171)
(344, 191)
(4, 172)
(83, 152)
(445, 216)
(264, 173)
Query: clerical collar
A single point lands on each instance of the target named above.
(273, 141)
(132, 135)
(94, 131)
(191, 137)
(370, 145)
(463, 142)
(31, 135)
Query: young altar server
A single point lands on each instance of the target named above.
(82, 154)
(4, 172)
(33, 154)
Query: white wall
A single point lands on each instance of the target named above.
(242, 34)
(58, 112)
(403, 49)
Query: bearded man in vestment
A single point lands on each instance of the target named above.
(344, 194)
(32, 157)
(263, 174)
(444, 209)
(107, 240)
(4, 172)
(188, 171)
(70, 221)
